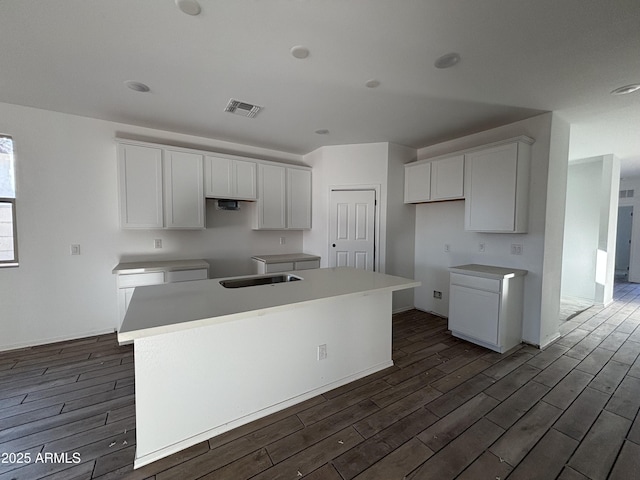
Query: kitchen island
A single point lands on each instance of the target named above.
(209, 358)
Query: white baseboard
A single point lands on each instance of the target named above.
(62, 338)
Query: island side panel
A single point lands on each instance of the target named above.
(195, 384)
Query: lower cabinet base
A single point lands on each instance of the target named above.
(490, 346)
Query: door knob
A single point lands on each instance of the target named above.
(334, 245)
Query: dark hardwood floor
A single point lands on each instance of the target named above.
(447, 409)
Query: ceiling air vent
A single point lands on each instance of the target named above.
(626, 193)
(242, 108)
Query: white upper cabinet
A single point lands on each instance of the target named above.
(140, 182)
(272, 200)
(434, 181)
(497, 187)
(160, 188)
(417, 183)
(230, 178)
(298, 198)
(447, 178)
(163, 186)
(284, 198)
(183, 190)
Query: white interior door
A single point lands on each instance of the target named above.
(352, 229)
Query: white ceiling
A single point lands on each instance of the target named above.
(519, 58)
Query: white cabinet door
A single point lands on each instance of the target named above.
(218, 177)
(298, 198)
(417, 183)
(272, 197)
(140, 182)
(230, 179)
(244, 180)
(184, 190)
(447, 178)
(474, 313)
(497, 189)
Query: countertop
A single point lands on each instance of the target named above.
(173, 307)
(159, 266)
(287, 257)
(488, 271)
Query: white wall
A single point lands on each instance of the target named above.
(588, 266)
(371, 164)
(582, 227)
(400, 224)
(633, 183)
(344, 165)
(556, 192)
(440, 223)
(67, 193)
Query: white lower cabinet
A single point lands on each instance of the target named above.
(485, 305)
(285, 263)
(133, 275)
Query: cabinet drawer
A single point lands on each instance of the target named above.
(140, 279)
(307, 264)
(187, 275)
(488, 284)
(279, 267)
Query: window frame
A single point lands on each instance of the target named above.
(12, 201)
(14, 261)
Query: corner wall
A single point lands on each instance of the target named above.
(379, 164)
(440, 223)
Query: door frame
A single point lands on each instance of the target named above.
(629, 266)
(634, 271)
(376, 230)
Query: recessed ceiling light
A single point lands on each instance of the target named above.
(373, 83)
(447, 61)
(190, 7)
(626, 89)
(322, 131)
(137, 86)
(300, 52)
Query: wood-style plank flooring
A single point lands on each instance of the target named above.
(446, 409)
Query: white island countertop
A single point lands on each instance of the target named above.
(488, 271)
(172, 307)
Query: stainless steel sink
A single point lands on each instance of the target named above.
(261, 280)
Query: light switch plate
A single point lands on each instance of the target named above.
(75, 249)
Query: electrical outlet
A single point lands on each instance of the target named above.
(437, 294)
(75, 249)
(447, 247)
(283, 240)
(482, 247)
(157, 243)
(516, 249)
(322, 351)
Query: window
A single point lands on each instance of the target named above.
(8, 237)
